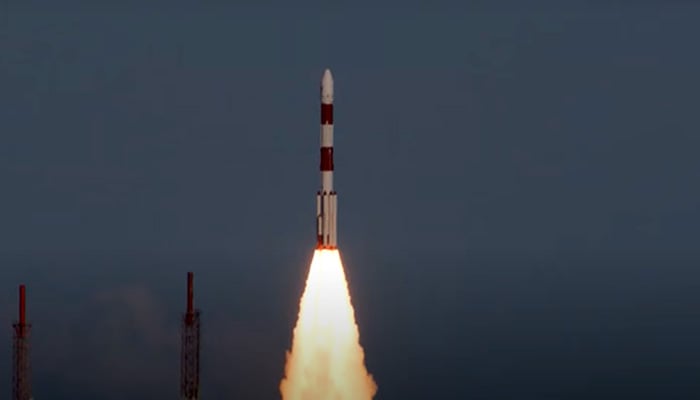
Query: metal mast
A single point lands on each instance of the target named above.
(189, 356)
(21, 385)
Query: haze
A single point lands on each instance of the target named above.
(518, 210)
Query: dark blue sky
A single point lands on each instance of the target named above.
(518, 200)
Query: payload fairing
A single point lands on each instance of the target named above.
(326, 198)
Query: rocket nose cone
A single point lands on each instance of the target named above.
(327, 79)
(327, 87)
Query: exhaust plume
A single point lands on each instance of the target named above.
(326, 361)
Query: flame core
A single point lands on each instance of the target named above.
(326, 361)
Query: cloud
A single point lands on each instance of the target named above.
(241, 359)
(124, 342)
(119, 344)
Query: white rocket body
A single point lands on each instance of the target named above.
(326, 198)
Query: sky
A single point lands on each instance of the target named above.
(518, 203)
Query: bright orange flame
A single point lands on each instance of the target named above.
(326, 361)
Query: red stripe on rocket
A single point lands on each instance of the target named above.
(326, 198)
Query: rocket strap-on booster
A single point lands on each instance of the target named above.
(326, 198)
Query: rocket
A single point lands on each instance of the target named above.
(326, 198)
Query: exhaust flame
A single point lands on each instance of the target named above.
(326, 361)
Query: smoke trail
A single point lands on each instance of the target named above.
(326, 361)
